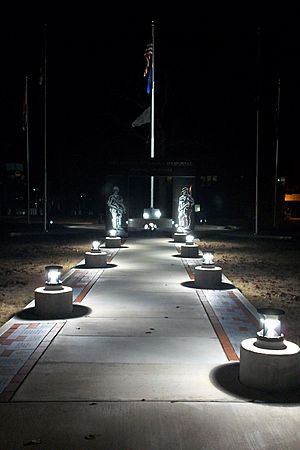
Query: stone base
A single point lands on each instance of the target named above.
(208, 278)
(93, 259)
(112, 242)
(179, 237)
(53, 303)
(269, 370)
(189, 251)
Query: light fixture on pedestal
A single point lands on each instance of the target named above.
(112, 240)
(269, 362)
(180, 234)
(95, 257)
(208, 275)
(189, 249)
(53, 300)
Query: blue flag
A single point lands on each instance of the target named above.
(149, 80)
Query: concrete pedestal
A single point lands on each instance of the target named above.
(179, 237)
(208, 278)
(94, 259)
(112, 242)
(53, 303)
(269, 370)
(189, 251)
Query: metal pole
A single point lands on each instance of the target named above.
(27, 150)
(257, 130)
(152, 117)
(152, 95)
(276, 156)
(45, 128)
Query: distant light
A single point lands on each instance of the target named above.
(271, 325)
(151, 213)
(53, 273)
(150, 226)
(173, 222)
(180, 229)
(270, 336)
(208, 259)
(95, 246)
(189, 239)
(51, 222)
(176, 225)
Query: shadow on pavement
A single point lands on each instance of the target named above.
(78, 311)
(226, 378)
(222, 287)
(107, 266)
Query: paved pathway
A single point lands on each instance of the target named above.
(146, 361)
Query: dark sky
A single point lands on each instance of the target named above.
(206, 80)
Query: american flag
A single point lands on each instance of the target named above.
(148, 54)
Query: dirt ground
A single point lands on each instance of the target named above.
(265, 270)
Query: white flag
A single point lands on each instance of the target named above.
(142, 118)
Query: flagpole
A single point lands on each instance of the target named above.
(276, 155)
(27, 150)
(152, 116)
(45, 127)
(257, 130)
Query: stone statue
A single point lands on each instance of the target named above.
(185, 207)
(117, 208)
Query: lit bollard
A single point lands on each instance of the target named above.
(269, 362)
(53, 300)
(95, 257)
(208, 275)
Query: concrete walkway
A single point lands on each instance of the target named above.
(146, 361)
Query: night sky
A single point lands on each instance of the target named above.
(206, 84)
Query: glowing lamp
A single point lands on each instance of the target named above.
(180, 229)
(95, 246)
(189, 239)
(151, 213)
(112, 232)
(53, 274)
(208, 259)
(270, 335)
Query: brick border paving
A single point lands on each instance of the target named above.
(230, 318)
(22, 344)
(12, 336)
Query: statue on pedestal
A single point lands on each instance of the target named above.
(117, 208)
(185, 207)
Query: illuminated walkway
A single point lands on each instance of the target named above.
(146, 362)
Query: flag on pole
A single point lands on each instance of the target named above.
(42, 74)
(148, 54)
(149, 81)
(142, 118)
